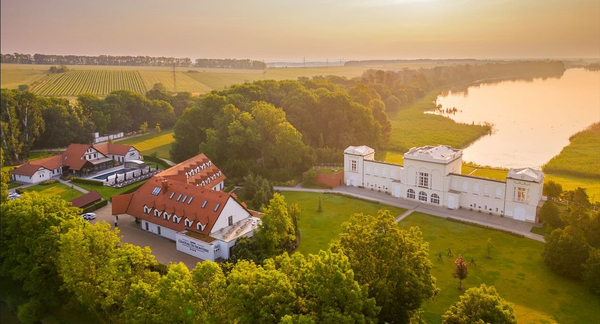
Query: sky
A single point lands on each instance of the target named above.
(291, 30)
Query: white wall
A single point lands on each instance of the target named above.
(164, 231)
(40, 175)
(197, 248)
(133, 154)
(231, 208)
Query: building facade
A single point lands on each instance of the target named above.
(185, 204)
(432, 175)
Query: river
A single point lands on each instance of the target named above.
(532, 120)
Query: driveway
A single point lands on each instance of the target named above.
(163, 249)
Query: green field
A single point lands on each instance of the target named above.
(581, 157)
(12, 78)
(412, 128)
(55, 189)
(516, 269)
(106, 191)
(153, 142)
(317, 229)
(73, 83)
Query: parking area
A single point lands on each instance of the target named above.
(163, 249)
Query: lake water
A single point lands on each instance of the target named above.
(532, 120)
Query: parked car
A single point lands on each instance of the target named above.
(88, 216)
(13, 195)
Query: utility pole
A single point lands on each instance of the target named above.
(304, 59)
(327, 62)
(174, 79)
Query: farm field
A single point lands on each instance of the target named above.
(73, 83)
(12, 78)
(153, 142)
(516, 269)
(411, 127)
(184, 82)
(317, 230)
(55, 189)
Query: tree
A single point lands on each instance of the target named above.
(460, 270)
(550, 215)
(276, 233)
(552, 189)
(392, 262)
(10, 129)
(320, 208)
(257, 191)
(23, 87)
(30, 230)
(99, 270)
(310, 176)
(157, 128)
(480, 304)
(591, 271)
(3, 180)
(489, 248)
(565, 251)
(144, 127)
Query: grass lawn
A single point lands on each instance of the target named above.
(153, 142)
(516, 269)
(411, 127)
(55, 189)
(318, 229)
(570, 182)
(13, 185)
(581, 157)
(106, 191)
(12, 78)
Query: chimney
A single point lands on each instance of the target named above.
(165, 186)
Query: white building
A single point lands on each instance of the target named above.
(432, 175)
(185, 204)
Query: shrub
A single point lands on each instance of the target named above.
(48, 182)
(87, 181)
(95, 206)
(154, 159)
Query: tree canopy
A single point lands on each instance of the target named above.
(478, 305)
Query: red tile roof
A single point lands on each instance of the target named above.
(173, 198)
(115, 149)
(26, 169)
(30, 168)
(198, 170)
(84, 200)
(73, 156)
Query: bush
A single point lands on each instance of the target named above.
(87, 181)
(48, 182)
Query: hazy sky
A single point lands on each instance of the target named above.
(315, 29)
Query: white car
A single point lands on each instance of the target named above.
(13, 195)
(88, 216)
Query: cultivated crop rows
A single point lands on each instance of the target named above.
(100, 83)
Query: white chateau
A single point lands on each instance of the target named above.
(432, 175)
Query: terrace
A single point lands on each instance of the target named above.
(131, 172)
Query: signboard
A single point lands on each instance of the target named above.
(194, 247)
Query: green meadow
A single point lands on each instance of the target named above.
(317, 229)
(581, 157)
(147, 144)
(411, 127)
(515, 268)
(55, 189)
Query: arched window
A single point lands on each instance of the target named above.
(476, 189)
(422, 196)
(410, 194)
(465, 186)
(435, 199)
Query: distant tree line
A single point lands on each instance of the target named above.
(58, 69)
(29, 121)
(130, 61)
(230, 64)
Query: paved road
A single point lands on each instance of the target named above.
(162, 248)
(493, 221)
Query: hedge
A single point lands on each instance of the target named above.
(95, 206)
(149, 158)
(87, 181)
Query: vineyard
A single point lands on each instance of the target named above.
(100, 83)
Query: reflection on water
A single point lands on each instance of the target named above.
(532, 120)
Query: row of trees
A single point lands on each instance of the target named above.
(29, 121)
(130, 61)
(572, 246)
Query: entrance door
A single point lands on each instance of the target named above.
(519, 214)
(397, 191)
(353, 182)
(451, 202)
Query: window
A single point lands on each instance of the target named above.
(217, 207)
(498, 192)
(183, 200)
(230, 220)
(190, 201)
(353, 167)
(204, 204)
(179, 197)
(146, 226)
(156, 191)
(410, 194)
(476, 189)
(171, 195)
(158, 228)
(423, 180)
(422, 196)
(486, 190)
(465, 186)
(521, 194)
(435, 199)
